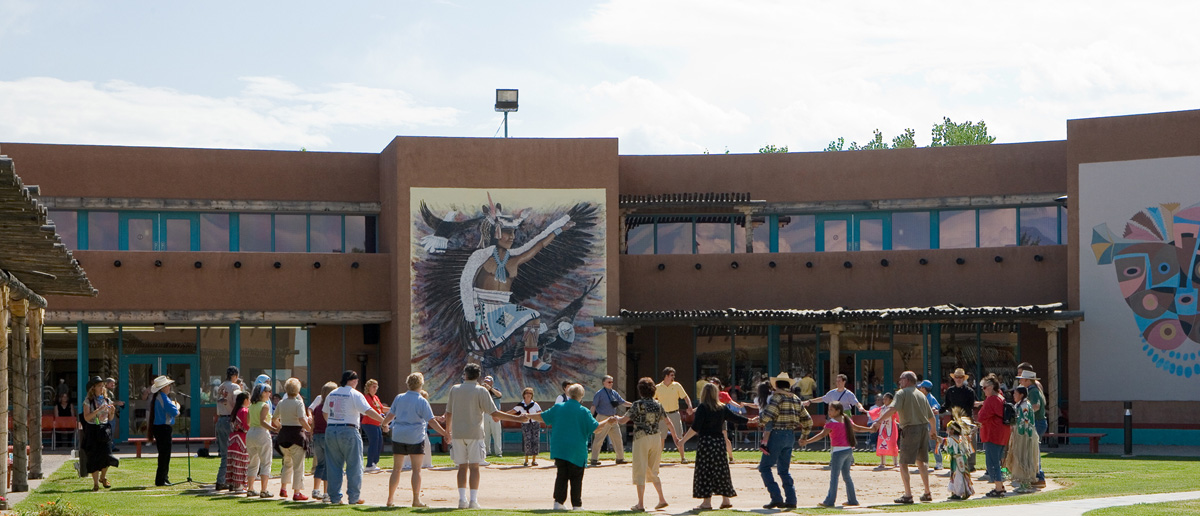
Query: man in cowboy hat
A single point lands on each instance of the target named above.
(962, 396)
(917, 427)
(782, 416)
(840, 394)
(1029, 380)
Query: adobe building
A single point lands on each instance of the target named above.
(554, 259)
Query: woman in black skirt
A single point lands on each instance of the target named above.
(96, 444)
(712, 468)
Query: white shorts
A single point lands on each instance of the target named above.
(467, 451)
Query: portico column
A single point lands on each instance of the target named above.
(4, 390)
(1052, 328)
(749, 230)
(35, 319)
(835, 335)
(622, 233)
(622, 354)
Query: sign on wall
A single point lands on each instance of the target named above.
(509, 279)
(1139, 270)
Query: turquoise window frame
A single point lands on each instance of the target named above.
(81, 229)
(819, 231)
(123, 219)
(886, 220)
(192, 217)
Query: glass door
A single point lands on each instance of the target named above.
(139, 371)
(873, 375)
(179, 232)
(872, 232)
(138, 232)
(833, 233)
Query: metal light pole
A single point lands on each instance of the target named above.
(506, 101)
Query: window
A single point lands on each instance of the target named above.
(1039, 226)
(102, 230)
(1062, 226)
(956, 229)
(910, 230)
(713, 237)
(640, 238)
(174, 340)
(836, 234)
(256, 353)
(291, 233)
(214, 360)
(325, 233)
(214, 232)
(797, 233)
(360, 234)
(254, 232)
(870, 234)
(67, 225)
(998, 227)
(674, 238)
(291, 356)
(179, 233)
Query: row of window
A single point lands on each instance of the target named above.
(863, 231)
(223, 231)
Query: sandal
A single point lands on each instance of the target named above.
(906, 499)
(417, 505)
(926, 497)
(727, 505)
(701, 508)
(637, 508)
(994, 494)
(661, 506)
(104, 482)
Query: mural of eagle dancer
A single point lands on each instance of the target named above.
(503, 288)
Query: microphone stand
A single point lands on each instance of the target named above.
(187, 443)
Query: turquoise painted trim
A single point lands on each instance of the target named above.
(773, 332)
(655, 223)
(235, 344)
(121, 368)
(307, 233)
(773, 232)
(935, 229)
(272, 249)
(885, 219)
(1143, 436)
(194, 236)
(123, 219)
(976, 231)
(344, 250)
(235, 232)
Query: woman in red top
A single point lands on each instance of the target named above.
(371, 427)
(993, 432)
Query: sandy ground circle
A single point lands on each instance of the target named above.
(610, 486)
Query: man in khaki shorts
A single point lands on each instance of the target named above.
(467, 405)
(668, 393)
(917, 426)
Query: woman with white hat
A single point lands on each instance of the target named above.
(162, 420)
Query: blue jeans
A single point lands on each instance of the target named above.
(779, 456)
(839, 464)
(318, 444)
(343, 453)
(993, 453)
(224, 425)
(1040, 426)
(374, 443)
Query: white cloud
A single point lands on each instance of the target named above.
(268, 113)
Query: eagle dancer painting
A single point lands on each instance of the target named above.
(508, 288)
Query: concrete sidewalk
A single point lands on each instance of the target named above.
(1067, 508)
(51, 462)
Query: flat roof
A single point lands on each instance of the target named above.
(948, 313)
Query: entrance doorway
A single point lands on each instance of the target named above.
(868, 373)
(137, 372)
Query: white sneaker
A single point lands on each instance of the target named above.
(316, 494)
(559, 507)
(474, 505)
(462, 504)
(371, 469)
(485, 463)
(406, 468)
(576, 508)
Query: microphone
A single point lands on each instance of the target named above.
(182, 394)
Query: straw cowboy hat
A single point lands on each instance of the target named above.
(784, 378)
(959, 373)
(160, 382)
(1028, 375)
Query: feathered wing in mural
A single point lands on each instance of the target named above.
(481, 273)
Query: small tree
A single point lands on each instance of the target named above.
(949, 134)
(772, 149)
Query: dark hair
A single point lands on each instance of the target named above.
(565, 384)
(259, 389)
(764, 393)
(232, 371)
(1022, 391)
(1025, 366)
(668, 370)
(847, 423)
(472, 371)
(347, 376)
(241, 398)
(843, 378)
(646, 387)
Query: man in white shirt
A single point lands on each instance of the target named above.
(466, 407)
(343, 444)
(841, 394)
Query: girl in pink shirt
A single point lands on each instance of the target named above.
(840, 430)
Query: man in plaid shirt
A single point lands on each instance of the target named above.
(780, 419)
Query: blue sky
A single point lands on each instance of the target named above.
(665, 77)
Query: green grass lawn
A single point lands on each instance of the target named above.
(1150, 509)
(1084, 476)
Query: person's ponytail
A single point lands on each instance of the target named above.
(849, 425)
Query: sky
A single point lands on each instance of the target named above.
(664, 77)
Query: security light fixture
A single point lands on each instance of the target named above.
(506, 101)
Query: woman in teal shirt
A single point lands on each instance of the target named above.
(573, 428)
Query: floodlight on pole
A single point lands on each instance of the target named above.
(506, 101)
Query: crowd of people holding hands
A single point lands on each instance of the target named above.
(903, 425)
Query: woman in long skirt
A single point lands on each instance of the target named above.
(1023, 453)
(531, 431)
(97, 443)
(711, 476)
(235, 475)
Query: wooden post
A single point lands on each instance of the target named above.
(622, 375)
(4, 391)
(20, 396)
(35, 318)
(747, 212)
(835, 344)
(1052, 328)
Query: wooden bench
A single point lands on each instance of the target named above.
(137, 442)
(1093, 439)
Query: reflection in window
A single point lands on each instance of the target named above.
(141, 233)
(1039, 226)
(172, 341)
(956, 229)
(214, 359)
(798, 350)
(674, 238)
(713, 237)
(797, 233)
(256, 352)
(910, 230)
(66, 224)
(761, 237)
(291, 356)
(102, 230)
(291, 235)
(998, 227)
(907, 348)
(254, 232)
(959, 348)
(356, 235)
(179, 234)
(836, 235)
(640, 239)
(870, 234)
(325, 233)
(1062, 226)
(1000, 352)
(214, 232)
